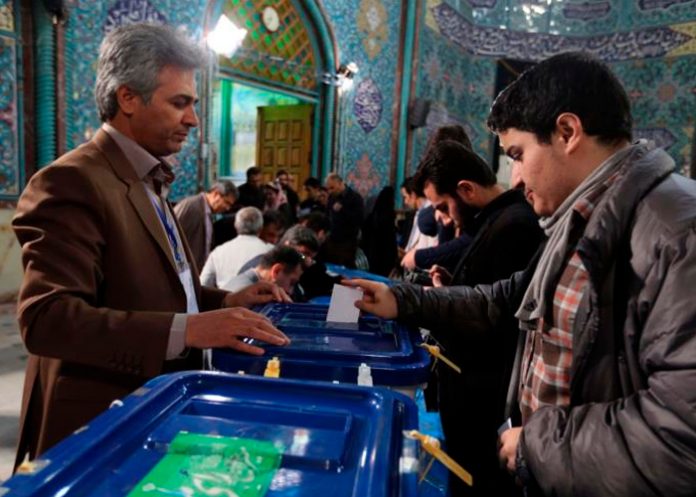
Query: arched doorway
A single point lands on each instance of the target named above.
(268, 104)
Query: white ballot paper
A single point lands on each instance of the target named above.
(342, 307)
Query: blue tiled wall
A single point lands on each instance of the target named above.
(650, 44)
(10, 177)
(654, 54)
(367, 33)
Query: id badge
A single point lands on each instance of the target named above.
(187, 282)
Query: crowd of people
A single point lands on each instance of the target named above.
(565, 300)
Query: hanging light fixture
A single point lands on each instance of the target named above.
(226, 38)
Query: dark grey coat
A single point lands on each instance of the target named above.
(631, 427)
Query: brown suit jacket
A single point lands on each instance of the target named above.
(191, 214)
(99, 293)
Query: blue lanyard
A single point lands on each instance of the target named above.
(170, 234)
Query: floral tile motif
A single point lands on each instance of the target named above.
(372, 22)
(364, 179)
(9, 150)
(7, 15)
(367, 105)
(358, 147)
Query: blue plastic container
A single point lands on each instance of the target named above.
(358, 273)
(334, 351)
(335, 440)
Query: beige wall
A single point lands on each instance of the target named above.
(10, 261)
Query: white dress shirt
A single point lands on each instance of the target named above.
(225, 261)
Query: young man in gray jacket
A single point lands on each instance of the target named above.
(607, 379)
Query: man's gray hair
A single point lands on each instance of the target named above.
(133, 55)
(248, 221)
(225, 187)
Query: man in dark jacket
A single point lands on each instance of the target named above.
(346, 213)
(505, 234)
(607, 376)
(251, 193)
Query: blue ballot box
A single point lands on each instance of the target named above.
(207, 433)
(320, 350)
(357, 273)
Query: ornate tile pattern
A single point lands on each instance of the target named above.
(461, 89)
(9, 143)
(367, 105)
(661, 89)
(7, 15)
(130, 12)
(371, 17)
(365, 153)
(577, 17)
(496, 42)
(285, 56)
(662, 95)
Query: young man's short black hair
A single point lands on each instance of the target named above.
(312, 182)
(447, 163)
(281, 172)
(409, 184)
(252, 171)
(574, 82)
(285, 255)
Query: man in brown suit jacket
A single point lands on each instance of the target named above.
(108, 299)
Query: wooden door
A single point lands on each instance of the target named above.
(284, 141)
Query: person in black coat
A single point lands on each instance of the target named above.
(505, 235)
(251, 193)
(346, 215)
(378, 239)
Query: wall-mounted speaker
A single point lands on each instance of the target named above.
(418, 111)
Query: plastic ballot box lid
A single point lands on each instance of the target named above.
(211, 433)
(326, 351)
(357, 273)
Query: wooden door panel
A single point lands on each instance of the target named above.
(282, 132)
(267, 157)
(282, 158)
(269, 131)
(285, 141)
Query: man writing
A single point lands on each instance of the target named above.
(607, 378)
(109, 299)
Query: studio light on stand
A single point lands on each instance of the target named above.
(343, 79)
(226, 38)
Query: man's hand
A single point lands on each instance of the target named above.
(440, 276)
(409, 260)
(378, 298)
(258, 293)
(227, 328)
(508, 448)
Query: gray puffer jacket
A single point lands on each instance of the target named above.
(630, 430)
